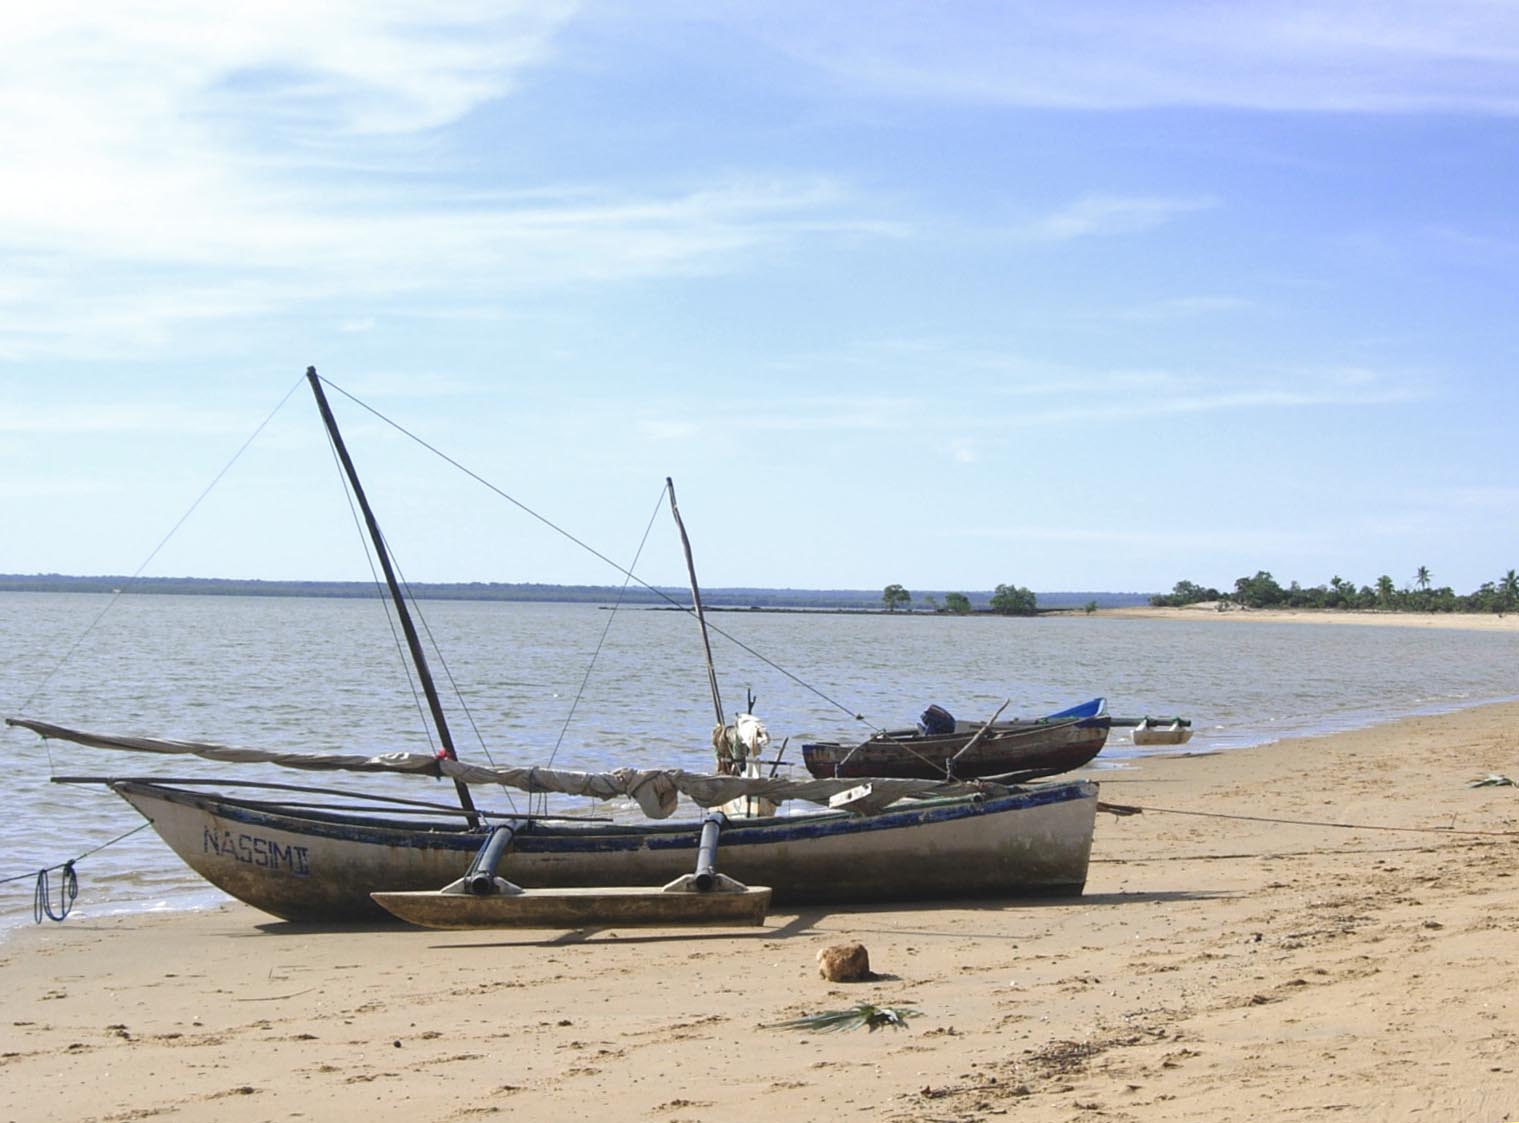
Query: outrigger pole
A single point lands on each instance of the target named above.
(418, 658)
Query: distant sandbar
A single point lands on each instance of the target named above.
(1210, 610)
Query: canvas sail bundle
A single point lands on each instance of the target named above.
(656, 791)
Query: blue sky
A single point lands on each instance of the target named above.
(1095, 296)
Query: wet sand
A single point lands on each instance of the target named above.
(1254, 965)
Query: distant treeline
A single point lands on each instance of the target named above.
(857, 599)
(1419, 595)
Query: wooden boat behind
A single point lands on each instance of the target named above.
(307, 864)
(1030, 749)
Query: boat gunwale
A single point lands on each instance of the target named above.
(676, 834)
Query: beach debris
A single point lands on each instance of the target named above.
(845, 963)
(1119, 810)
(865, 1014)
(1492, 780)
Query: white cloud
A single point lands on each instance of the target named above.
(1395, 56)
(1032, 398)
(1215, 398)
(1101, 215)
(84, 298)
(168, 167)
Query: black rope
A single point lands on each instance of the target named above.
(1122, 809)
(68, 881)
(68, 889)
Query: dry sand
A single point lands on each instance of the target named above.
(1247, 967)
(1209, 610)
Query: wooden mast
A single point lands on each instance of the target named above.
(413, 643)
(717, 701)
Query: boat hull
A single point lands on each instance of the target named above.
(1031, 748)
(304, 865)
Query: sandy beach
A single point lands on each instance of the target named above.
(1315, 929)
(1209, 610)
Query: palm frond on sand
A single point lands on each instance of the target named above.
(867, 1015)
(1492, 780)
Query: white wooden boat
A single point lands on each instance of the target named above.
(312, 863)
(306, 864)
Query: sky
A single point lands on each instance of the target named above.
(1096, 296)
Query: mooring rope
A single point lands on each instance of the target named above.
(1135, 809)
(68, 889)
(68, 881)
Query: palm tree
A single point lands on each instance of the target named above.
(1384, 590)
(1509, 590)
(1421, 579)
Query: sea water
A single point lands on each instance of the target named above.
(586, 687)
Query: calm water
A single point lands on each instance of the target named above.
(307, 674)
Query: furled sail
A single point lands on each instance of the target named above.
(656, 791)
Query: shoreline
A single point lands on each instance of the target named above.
(1460, 621)
(197, 896)
(1261, 964)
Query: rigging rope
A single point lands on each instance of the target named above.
(601, 642)
(416, 610)
(379, 584)
(68, 881)
(629, 575)
(117, 593)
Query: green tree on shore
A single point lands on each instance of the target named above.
(1183, 593)
(1013, 600)
(957, 603)
(1260, 591)
(895, 597)
(1422, 595)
